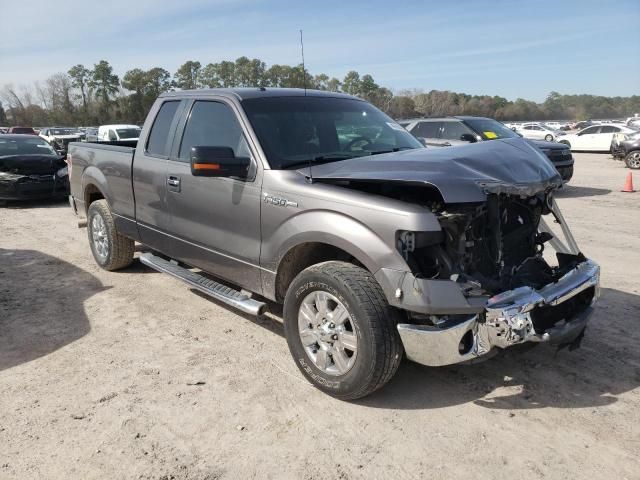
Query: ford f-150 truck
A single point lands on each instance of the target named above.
(377, 247)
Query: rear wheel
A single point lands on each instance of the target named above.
(565, 142)
(111, 250)
(633, 159)
(549, 137)
(341, 331)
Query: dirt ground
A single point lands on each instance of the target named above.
(131, 375)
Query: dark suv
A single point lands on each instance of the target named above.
(452, 131)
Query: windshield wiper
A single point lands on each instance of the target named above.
(395, 149)
(329, 157)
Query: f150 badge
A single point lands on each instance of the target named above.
(280, 202)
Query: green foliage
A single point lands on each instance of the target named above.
(84, 96)
(188, 75)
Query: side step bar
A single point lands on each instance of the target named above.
(209, 287)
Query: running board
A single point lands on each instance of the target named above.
(220, 292)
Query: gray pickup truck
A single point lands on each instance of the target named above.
(376, 246)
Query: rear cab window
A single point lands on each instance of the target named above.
(158, 143)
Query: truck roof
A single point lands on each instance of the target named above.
(258, 92)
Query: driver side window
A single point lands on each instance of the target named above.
(213, 124)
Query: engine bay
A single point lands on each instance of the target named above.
(488, 248)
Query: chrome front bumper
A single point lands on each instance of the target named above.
(506, 321)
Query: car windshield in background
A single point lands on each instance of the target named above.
(63, 131)
(125, 133)
(25, 146)
(490, 129)
(295, 130)
(22, 130)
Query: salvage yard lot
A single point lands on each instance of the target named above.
(129, 375)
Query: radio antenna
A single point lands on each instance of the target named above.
(304, 72)
(304, 83)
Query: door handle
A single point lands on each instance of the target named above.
(174, 183)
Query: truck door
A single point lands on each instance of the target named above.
(215, 221)
(150, 175)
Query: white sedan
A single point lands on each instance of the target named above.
(596, 138)
(539, 131)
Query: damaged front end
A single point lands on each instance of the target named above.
(23, 186)
(510, 288)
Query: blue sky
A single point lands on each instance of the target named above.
(508, 48)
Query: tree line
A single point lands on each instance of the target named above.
(93, 96)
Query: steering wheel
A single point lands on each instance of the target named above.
(349, 146)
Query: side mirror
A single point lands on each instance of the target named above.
(209, 161)
(467, 137)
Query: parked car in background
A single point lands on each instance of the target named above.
(60, 137)
(626, 146)
(581, 125)
(91, 134)
(596, 138)
(22, 131)
(4, 129)
(539, 131)
(452, 131)
(117, 133)
(30, 168)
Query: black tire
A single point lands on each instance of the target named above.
(565, 142)
(548, 137)
(374, 321)
(632, 160)
(120, 249)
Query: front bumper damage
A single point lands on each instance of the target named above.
(34, 186)
(508, 319)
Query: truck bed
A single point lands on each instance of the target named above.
(108, 164)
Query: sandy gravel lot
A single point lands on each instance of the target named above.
(131, 375)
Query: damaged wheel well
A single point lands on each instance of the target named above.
(303, 256)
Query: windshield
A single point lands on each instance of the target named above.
(124, 133)
(63, 131)
(22, 130)
(294, 130)
(25, 146)
(490, 129)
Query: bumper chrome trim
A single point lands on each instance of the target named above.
(506, 322)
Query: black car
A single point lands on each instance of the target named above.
(30, 168)
(460, 130)
(627, 147)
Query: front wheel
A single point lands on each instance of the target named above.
(111, 250)
(549, 137)
(341, 331)
(633, 159)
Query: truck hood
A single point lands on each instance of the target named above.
(462, 174)
(31, 164)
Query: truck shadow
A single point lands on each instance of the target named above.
(604, 367)
(41, 305)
